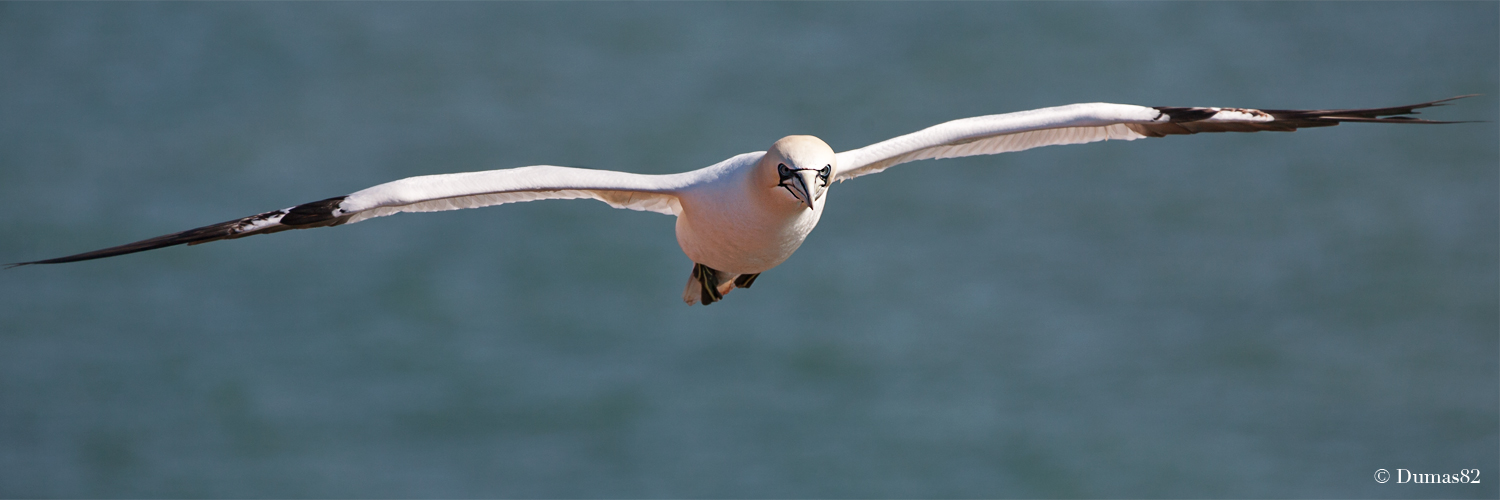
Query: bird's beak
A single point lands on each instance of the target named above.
(807, 187)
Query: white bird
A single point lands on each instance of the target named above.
(747, 214)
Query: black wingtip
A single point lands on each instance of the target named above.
(307, 215)
(1456, 98)
(1182, 114)
(1386, 115)
(1440, 102)
(191, 236)
(315, 214)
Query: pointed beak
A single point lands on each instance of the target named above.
(806, 184)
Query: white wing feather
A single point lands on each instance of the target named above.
(1081, 123)
(432, 193)
(982, 135)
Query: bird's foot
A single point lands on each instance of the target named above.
(744, 280)
(704, 286)
(708, 285)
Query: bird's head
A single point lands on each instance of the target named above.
(800, 168)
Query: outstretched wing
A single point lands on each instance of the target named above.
(1081, 123)
(431, 193)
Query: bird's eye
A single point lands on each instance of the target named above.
(785, 173)
(826, 171)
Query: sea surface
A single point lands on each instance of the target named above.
(1229, 315)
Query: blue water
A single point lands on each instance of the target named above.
(1245, 315)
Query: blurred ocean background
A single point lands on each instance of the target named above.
(1246, 315)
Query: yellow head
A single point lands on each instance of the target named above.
(801, 166)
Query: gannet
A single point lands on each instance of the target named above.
(745, 215)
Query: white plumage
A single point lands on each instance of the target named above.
(747, 214)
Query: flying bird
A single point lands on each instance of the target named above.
(747, 214)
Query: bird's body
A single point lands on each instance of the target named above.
(741, 222)
(749, 213)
